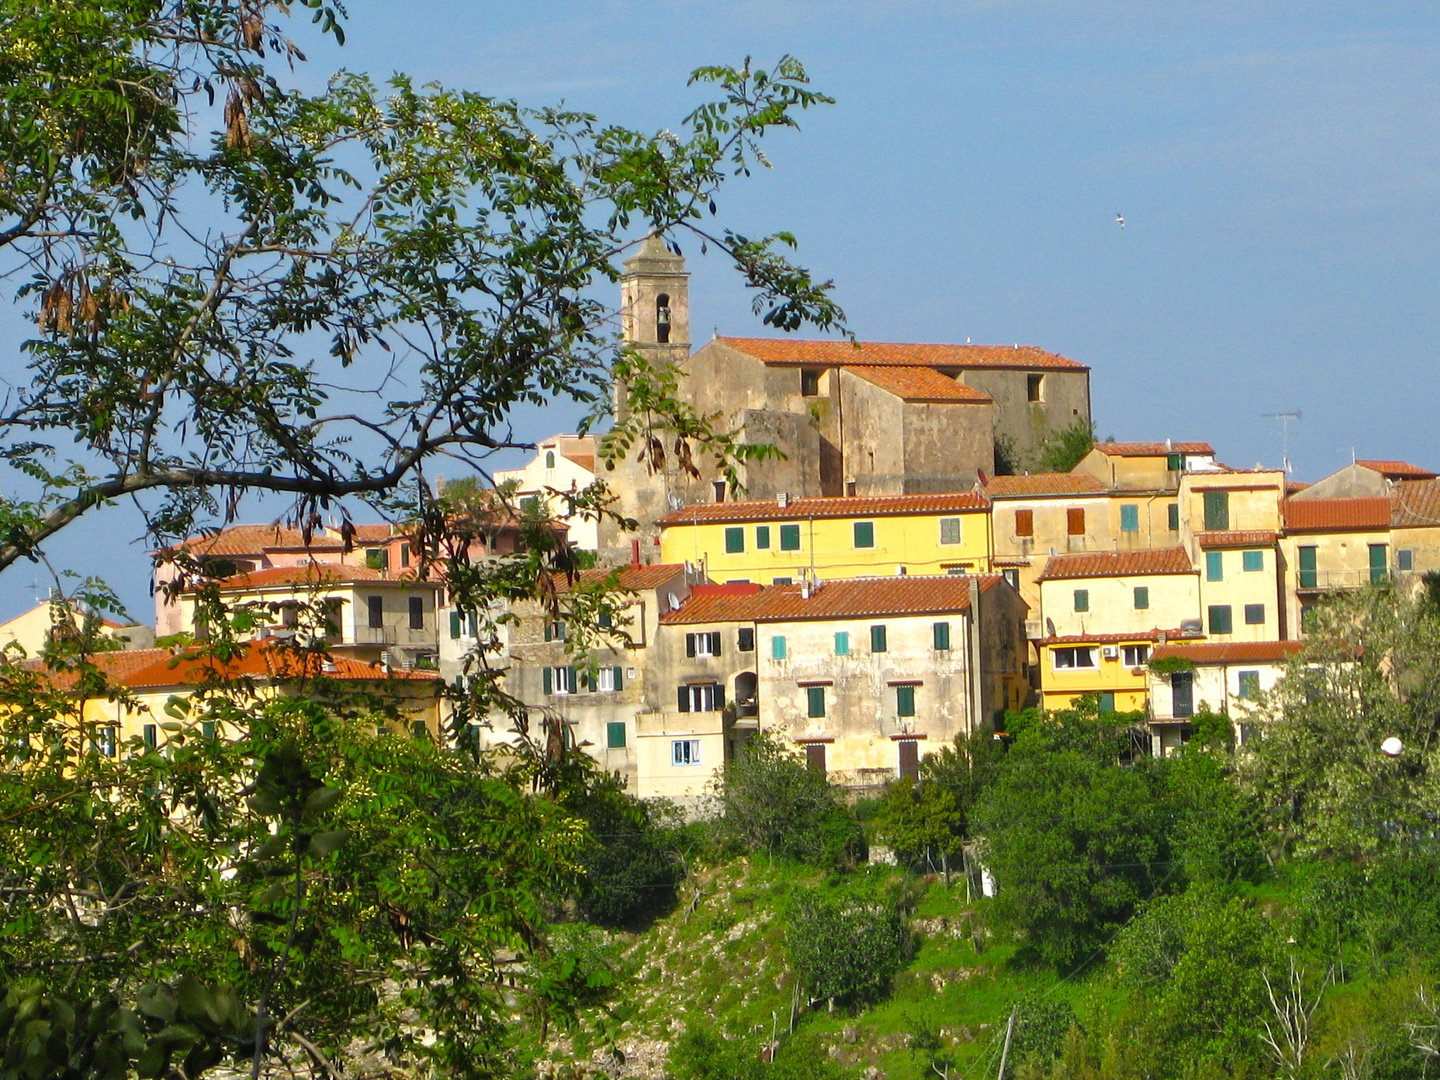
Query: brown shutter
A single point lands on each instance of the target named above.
(909, 758)
(1024, 522)
(1075, 521)
(815, 756)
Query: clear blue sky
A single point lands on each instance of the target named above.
(1277, 166)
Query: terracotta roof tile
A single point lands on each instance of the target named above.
(373, 532)
(921, 384)
(1065, 483)
(1336, 515)
(1153, 449)
(1397, 470)
(846, 598)
(1415, 504)
(838, 507)
(259, 661)
(585, 461)
(312, 574)
(1096, 564)
(256, 540)
(1252, 538)
(1108, 639)
(1231, 652)
(843, 353)
(115, 666)
(634, 578)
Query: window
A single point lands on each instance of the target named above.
(1250, 561)
(105, 740)
(789, 537)
(685, 751)
(1129, 517)
(701, 697)
(745, 639)
(377, 559)
(842, 643)
(908, 763)
(809, 382)
(549, 459)
(1012, 576)
(1405, 559)
(941, 633)
(706, 644)
(1082, 599)
(417, 613)
(662, 319)
(605, 620)
(904, 701)
(1214, 566)
(777, 648)
(615, 735)
(418, 730)
(608, 680)
(1308, 576)
(1309, 616)
(815, 756)
(734, 541)
(1024, 522)
(1142, 597)
(1136, 655)
(1174, 462)
(762, 537)
(1107, 701)
(718, 487)
(1379, 564)
(209, 728)
(555, 631)
(1172, 514)
(375, 608)
(950, 530)
(1080, 656)
(1254, 614)
(782, 581)
(1217, 511)
(404, 554)
(1219, 618)
(1034, 387)
(814, 701)
(151, 734)
(1182, 694)
(864, 534)
(877, 639)
(1249, 685)
(1075, 521)
(558, 680)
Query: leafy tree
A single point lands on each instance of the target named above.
(846, 944)
(1063, 448)
(631, 872)
(922, 821)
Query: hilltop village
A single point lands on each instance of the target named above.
(892, 581)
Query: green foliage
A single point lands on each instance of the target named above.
(847, 943)
(1379, 914)
(772, 802)
(630, 867)
(921, 821)
(1064, 447)
(1041, 1025)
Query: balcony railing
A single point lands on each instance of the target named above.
(1331, 580)
(374, 635)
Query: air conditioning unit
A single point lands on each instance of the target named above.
(1110, 652)
(1032, 629)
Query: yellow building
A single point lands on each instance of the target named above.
(31, 630)
(1333, 545)
(1242, 586)
(1103, 612)
(1415, 528)
(777, 541)
(1146, 466)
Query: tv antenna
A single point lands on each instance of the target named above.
(1284, 418)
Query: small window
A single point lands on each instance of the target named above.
(1082, 656)
(558, 680)
(703, 644)
(782, 581)
(1250, 561)
(1136, 655)
(877, 639)
(1219, 618)
(1379, 563)
(1309, 618)
(809, 382)
(209, 729)
(908, 763)
(151, 735)
(1024, 522)
(864, 534)
(417, 613)
(105, 738)
(941, 633)
(1254, 614)
(609, 680)
(701, 697)
(662, 319)
(1172, 514)
(762, 537)
(1034, 387)
(555, 631)
(549, 459)
(404, 554)
(745, 639)
(904, 701)
(1217, 511)
(418, 730)
(1214, 566)
(1075, 521)
(615, 735)
(1249, 685)
(1142, 597)
(1107, 701)
(815, 701)
(685, 751)
(377, 559)
(734, 541)
(777, 648)
(789, 537)
(375, 609)
(842, 643)
(950, 530)
(1129, 517)
(1405, 559)
(815, 756)
(1082, 599)
(1175, 462)
(1012, 576)
(718, 487)
(1308, 573)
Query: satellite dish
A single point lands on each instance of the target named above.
(674, 602)
(1392, 747)
(1050, 627)
(676, 503)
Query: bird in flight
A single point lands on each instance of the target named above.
(1120, 220)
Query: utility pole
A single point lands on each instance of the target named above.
(1284, 418)
(1005, 1053)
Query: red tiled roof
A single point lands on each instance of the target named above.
(260, 661)
(1231, 652)
(1415, 504)
(115, 666)
(842, 599)
(874, 353)
(838, 507)
(311, 574)
(634, 578)
(1106, 639)
(921, 384)
(1153, 449)
(257, 539)
(1292, 486)
(1096, 564)
(1252, 538)
(1337, 515)
(585, 461)
(369, 534)
(1397, 470)
(1065, 483)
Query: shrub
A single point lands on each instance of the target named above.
(631, 869)
(846, 946)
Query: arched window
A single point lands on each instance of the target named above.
(662, 319)
(549, 459)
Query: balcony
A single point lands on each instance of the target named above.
(374, 635)
(1320, 581)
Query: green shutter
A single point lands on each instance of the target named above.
(1142, 597)
(762, 537)
(905, 701)
(877, 639)
(619, 683)
(549, 631)
(1107, 701)
(777, 648)
(1251, 561)
(1173, 513)
(1217, 511)
(549, 681)
(1129, 518)
(864, 534)
(1220, 621)
(574, 686)
(615, 735)
(789, 537)
(1214, 566)
(1308, 575)
(942, 636)
(1082, 599)
(1379, 563)
(455, 623)
(842, 643)
(1249, 684)
(815, 699)
(734, 541)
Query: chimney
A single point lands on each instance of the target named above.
(805, 588)
(782, 499)
(635, 553)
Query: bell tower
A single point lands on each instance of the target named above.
(655, 302)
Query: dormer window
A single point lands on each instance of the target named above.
(662, 319)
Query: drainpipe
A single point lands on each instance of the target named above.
(973, 630)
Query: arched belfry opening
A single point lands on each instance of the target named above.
(655, 299)
(662, 318)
